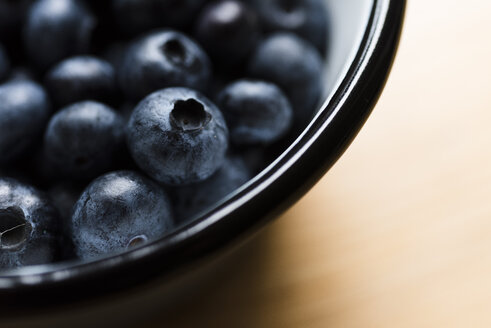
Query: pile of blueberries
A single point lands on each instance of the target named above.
(121, 119)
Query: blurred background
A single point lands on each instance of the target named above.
(398, 233)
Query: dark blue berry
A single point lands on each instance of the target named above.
(194, 199)
(29, 226)
(294, 65)
(81, 78)
(56, 29)
(119, 211)
(82, 140)
(4, 64)
(24, 112)
(306, 18)
(177, 136)
(256, 112)
(137, 16)
(229, 31)
(163, 59)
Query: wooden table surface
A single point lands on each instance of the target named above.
(398, 233)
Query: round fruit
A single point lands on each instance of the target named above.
(177, 136)
(29, 226)
(119, 211)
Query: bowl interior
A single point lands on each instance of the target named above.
(348, 23)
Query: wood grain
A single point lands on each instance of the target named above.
(398, 233)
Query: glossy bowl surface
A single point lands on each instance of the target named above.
(363, 38)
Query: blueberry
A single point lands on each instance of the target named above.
(229, 31)
(295, 66)
(81, 78)
(119, 211)
(256, 112)
(196, 198)
(306, 18)
(56, 29)
(29, 226)
(4, 64)
(137, 16)
(82, 140)
(177, 136)
(24, 112)
(163, 59)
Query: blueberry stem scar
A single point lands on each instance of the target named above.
(137, 241)
(13, 228)
(175, 51)
(189, 115)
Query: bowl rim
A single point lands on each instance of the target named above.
(268, 194)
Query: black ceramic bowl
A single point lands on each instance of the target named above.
(363, 38)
